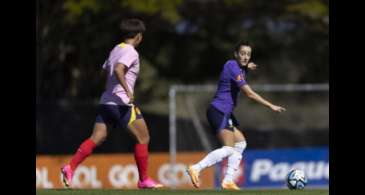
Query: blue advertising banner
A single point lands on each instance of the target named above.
(269, 168)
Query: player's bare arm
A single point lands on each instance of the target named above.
(253, 95)
(120, 70)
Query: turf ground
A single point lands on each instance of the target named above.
(180, 192)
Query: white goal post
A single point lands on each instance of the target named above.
(175, 89)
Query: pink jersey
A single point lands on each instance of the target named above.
(114, 93)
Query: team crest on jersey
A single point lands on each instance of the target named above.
(239, 78)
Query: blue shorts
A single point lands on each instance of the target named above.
(117, 115)
(219, 121)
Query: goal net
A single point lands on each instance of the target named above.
(307, 111)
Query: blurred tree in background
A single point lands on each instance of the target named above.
(185, 42)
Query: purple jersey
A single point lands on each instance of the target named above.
(232, 78)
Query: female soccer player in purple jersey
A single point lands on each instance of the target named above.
(223, 122)
(116, 107)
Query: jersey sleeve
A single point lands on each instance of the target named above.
(236, 75)
(128, 58)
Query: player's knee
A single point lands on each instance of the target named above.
(102, 139)
(99, 137)
(228, 150)
(240, 146)
(144, 139)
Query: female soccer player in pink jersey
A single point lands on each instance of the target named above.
(220, 116)
(116, 108)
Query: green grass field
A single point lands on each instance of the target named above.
(181, 192)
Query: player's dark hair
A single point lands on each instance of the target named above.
(131, 27)
(240, 44)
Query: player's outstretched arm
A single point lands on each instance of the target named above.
(120, 73)
(253, 95)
